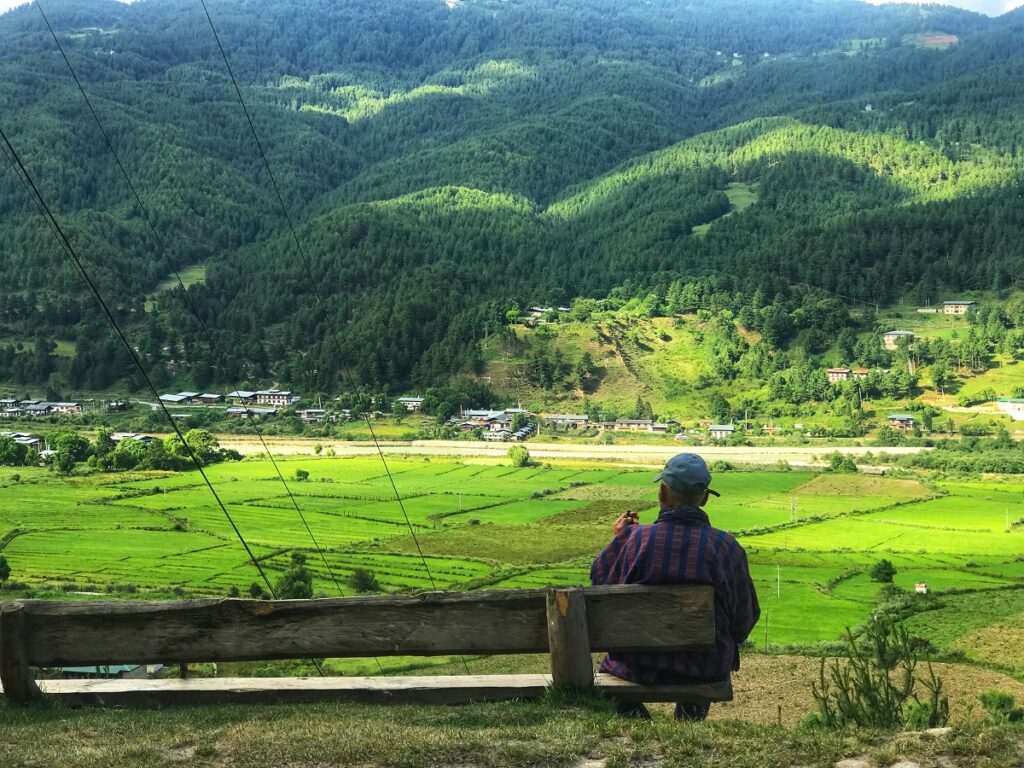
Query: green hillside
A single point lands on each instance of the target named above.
(445, 163)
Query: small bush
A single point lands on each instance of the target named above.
(364, 581)
(301, 475)
(1000, 707)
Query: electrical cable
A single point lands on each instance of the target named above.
(195, 310)
(316, 290)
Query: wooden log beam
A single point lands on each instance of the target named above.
(568, 639)
(677, 617)
(15, 673)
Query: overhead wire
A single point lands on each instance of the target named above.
(320, 300)
(69, 250)
(312, 280)
(188, 299)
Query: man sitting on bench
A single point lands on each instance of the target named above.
(681, 547)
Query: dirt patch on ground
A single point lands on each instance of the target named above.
(767, 683)
(863, 485)
(1001, 643)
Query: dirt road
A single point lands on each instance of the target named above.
(630, 454)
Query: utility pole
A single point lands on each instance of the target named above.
(793, 504)
(778, 580)
(766, 630)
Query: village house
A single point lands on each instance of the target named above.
(23, 438)
(634, 425)
(921, 588)
(860, 373)
(411, 403)
(312, 414)
(210, 398)
(240, 397)
(890, 338)
(10, 412)
(178, 399)
(117, 437)
(500, 435)
(1012, 407)
(721, 431)
(245, 412)
(838, 374)
(957, 307)
(8, 402)
(901, 421)
(65, 409)
(37, 409)
(567, 420)
(276, 397)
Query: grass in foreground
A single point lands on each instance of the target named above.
(559, 731)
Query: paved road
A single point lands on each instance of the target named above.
(630, 454)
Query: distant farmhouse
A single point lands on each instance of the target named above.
(411, 403)
(721, 431)
(889, 338)
(957, 307)
(276, 397)
(838, 374)
(31, 442)
(1012, 407)
(567, 420)
(901, 421)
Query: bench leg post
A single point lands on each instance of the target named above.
(15, 673)
(568, 638)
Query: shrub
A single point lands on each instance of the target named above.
(296, 583)
(1000, 707)
(875, 687)
(519, 455)
(883, 571)
(364, 581)
(301, 475)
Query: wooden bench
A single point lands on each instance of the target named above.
(568, 622)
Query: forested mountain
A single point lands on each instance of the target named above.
(445, 162)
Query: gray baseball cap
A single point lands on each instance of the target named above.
(684, 471)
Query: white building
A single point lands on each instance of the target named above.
(1012, 407)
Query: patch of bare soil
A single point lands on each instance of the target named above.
(767, 685)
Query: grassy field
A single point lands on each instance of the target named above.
(741, 196)
(811, 538)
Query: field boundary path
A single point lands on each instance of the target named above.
(638, 455)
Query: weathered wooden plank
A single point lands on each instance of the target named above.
(15, 672)
(637, 617)
(461, 689)
(619, 618)
(568, 640)
(237, 630)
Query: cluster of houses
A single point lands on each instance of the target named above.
(267, 397)
(496, 425)
(959, 307)
(12, 408)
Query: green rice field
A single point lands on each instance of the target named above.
(811, 538)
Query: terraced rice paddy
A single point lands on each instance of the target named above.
(811, 538)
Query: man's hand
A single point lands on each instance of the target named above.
(626, 519)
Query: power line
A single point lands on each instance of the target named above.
(195, 310)
(316, 290)
(69, 250)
